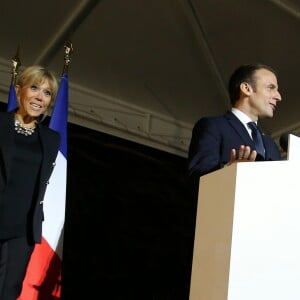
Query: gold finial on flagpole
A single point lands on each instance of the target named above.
(16, 63)
(68, 51)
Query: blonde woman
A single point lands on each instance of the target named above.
(28, 150)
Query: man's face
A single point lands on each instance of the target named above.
(265, 94)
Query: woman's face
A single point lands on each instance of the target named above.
(34, 99)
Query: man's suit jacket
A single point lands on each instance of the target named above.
(50, 141)
(212, 141)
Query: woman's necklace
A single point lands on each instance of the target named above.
(19, 128)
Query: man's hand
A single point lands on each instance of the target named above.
(244, 155)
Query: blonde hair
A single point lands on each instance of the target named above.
(35, 75)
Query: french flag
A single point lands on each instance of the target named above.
(43, 277)
(12, 103)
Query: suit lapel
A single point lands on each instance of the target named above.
(47, 147)
(239, 128)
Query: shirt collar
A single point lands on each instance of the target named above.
(241, 116)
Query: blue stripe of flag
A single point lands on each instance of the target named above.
(12, 103)
(59, 117)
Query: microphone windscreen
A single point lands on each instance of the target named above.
(284, 141)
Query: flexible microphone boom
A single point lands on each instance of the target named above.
(284, 141)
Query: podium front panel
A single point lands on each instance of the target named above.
(247, 233)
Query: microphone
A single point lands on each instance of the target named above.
(284, 141)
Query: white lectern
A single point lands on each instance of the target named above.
(247, 235)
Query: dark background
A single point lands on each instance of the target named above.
(130, 220)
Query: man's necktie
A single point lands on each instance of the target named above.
(257, 139)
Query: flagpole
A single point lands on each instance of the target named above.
(59, 114)
(67, 57)
(12, 102)
(16, 63)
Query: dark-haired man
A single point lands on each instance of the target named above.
(222, 140)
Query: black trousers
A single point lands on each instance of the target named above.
(14, 257)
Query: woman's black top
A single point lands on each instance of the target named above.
(17, 200)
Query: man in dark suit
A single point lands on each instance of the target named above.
(219, 141)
